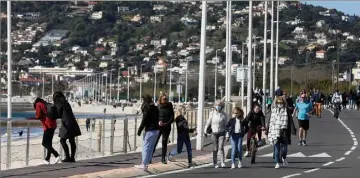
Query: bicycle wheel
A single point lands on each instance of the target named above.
(253, 150)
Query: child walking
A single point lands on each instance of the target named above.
(236, 129)
(183, 137)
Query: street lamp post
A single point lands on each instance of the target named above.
(216, 71)
(118, 86)
(141, 79)
(170, 81)
(155, 83)
(272, 52)
(277, 46)
(128, 84)
(264, 59)
(186, 80)
(249, 89)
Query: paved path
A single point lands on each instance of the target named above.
(94, 165)
(327, 154)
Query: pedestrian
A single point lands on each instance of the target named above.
(150, 123)
(69, 126)
(303, 108)
(269, 103)
(49, 126)
(87, 122)
(216, 126)
(236, 129)
(166, 118)
(280, 128)
(183, 136)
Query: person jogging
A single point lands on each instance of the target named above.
(304, 109)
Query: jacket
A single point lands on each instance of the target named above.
(230, 126)
(255, 120)
(217, 121)
(150, 119)
(337, 98)
(166, 115)
(69, 126)
(291, 130)
(40, 112)
(182, 125)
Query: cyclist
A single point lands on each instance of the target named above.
(256, 120)
(337, 101)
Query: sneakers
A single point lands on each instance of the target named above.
(141, 167)
(246, 154)
(170, 158)
(232, 166)
(45, 162)
(260, 143)
(239, 164)
(304, 143)
(277, 166)
(190, 165)
(57, 160)
(223, 164)
(216, 166)
(285, 163)
(300, 143)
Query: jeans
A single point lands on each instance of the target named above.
(148, 147)
(183, 138)
(280, 147)
(218, 144)
(236, 147)
(351, 104)
(47, 143)
(165, 140)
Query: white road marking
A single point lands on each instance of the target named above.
(329, 163)
(352, 133)
(321, 155)
(311, 170)
(296, 155)
(347, 153)
(340, 159)
(353, 148)
(267, 155)
(291, 175)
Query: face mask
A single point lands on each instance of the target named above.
(280, 105)
(218, 108)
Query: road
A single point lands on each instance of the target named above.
(331, 153)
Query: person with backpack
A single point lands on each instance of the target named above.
(49, 125)
(69, 126)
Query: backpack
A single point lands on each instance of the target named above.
(51, 111)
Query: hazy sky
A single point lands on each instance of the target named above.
(348, 7)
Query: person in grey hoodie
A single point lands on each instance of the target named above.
(216, 126)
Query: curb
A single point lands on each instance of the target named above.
(158, 168)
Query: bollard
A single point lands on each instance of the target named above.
(27, 143)
(135, 134)
(99, 137)
(112, 136)
(125, 137)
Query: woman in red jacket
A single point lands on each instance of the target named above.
(49, 126)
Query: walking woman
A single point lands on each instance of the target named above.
(69, 126)
(281, 127)
(49, 126)
(237, 128)
(150, 123)
(217, 122)
(183, 136)
(166, 118)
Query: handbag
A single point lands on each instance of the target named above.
(208, 129)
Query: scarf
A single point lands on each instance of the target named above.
(278, 121)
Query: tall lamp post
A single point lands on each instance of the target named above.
(141, 80)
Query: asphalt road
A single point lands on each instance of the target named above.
(327, 154)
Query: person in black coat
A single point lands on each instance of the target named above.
(69, 126)
(166, 118)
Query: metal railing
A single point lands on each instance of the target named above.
(105, 136)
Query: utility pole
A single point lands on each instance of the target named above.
(306, 76)
(272, 52)
(332, 75)
(338, 39)
(249, 89)
(349, 77)
(243, 80)
(264, 58)
(254, 65)
(277, 47)
(292, 80)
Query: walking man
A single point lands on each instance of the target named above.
(303, 108)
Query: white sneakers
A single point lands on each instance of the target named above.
(239, 165)
(44, 162)
(141, 167)
(222, 165)
(246, 154)
(57, 160)
(277, 166)
(285, 163)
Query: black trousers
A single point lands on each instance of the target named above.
(47, 143)
(66, 147)
(165, 140)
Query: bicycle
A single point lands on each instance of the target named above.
(254, 146)
(337, 110)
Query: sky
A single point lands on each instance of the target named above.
(348, 7)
